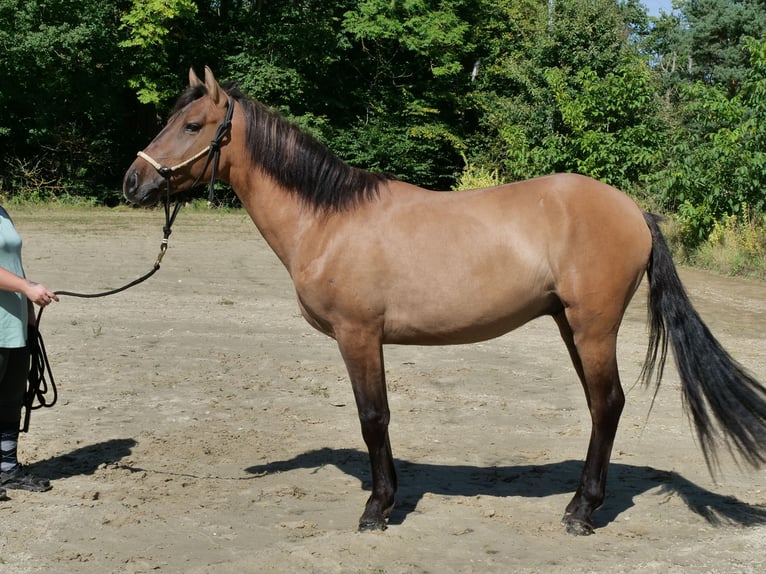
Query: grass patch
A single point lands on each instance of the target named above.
(735, 246)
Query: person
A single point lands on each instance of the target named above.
(17, 295)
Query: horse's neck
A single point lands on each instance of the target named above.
(277, 213)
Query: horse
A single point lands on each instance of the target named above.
(377, 261)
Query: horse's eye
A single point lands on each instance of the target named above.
(192, 128)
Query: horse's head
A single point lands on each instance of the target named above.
(181, 153)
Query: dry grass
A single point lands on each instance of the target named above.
(735, 246)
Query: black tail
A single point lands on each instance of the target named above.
(726, 404)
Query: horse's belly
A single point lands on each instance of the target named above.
(465, 319)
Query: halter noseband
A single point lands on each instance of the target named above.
(213, 152)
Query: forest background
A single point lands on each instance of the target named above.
(447, 94)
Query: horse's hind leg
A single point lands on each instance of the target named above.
(363, 356)
(594, 356)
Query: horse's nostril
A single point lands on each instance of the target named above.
(130, 184)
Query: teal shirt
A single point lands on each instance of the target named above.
(13, 306)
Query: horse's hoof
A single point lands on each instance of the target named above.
(577, 527)
(372, 525)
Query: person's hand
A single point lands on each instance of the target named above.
(40, 294)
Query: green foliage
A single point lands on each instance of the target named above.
(475, 176)
(717, 159)
(149, 24)
(410, 61)
(612, 123)
(432, 30)
(714, 39)
(61, 96)
(507, 105)
(584, 34)
(148, 21)
(567, 91)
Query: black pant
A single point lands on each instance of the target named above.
(14, 368)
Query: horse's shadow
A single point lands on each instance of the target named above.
(417, 479)
(532, 481)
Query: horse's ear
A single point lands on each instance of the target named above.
(194, 80)
(213, 89)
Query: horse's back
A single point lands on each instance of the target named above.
(549, 227)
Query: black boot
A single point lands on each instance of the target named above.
(19, 478)
(12, 474)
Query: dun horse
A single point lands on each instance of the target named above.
(378, 261)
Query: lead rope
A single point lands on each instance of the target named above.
(40, 378)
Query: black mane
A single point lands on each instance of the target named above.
(295, 159)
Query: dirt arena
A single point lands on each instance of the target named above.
(203, 427)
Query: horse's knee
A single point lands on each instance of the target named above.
(374, 417)
(374, 424)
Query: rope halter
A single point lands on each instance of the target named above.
(213, 152)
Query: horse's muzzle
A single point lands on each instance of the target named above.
(138, 192)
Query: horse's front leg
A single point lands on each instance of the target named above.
(363, 355)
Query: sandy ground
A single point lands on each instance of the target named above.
(203, 427)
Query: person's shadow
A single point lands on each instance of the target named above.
(533, 481)
(83, 461)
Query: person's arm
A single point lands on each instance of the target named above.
(35, 292)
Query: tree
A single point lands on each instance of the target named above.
(148, 24)
(411, 63)
(717, 159)
(613, 125)
(507, 116)
(708, 41)
(62, 96)
(564, 88)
